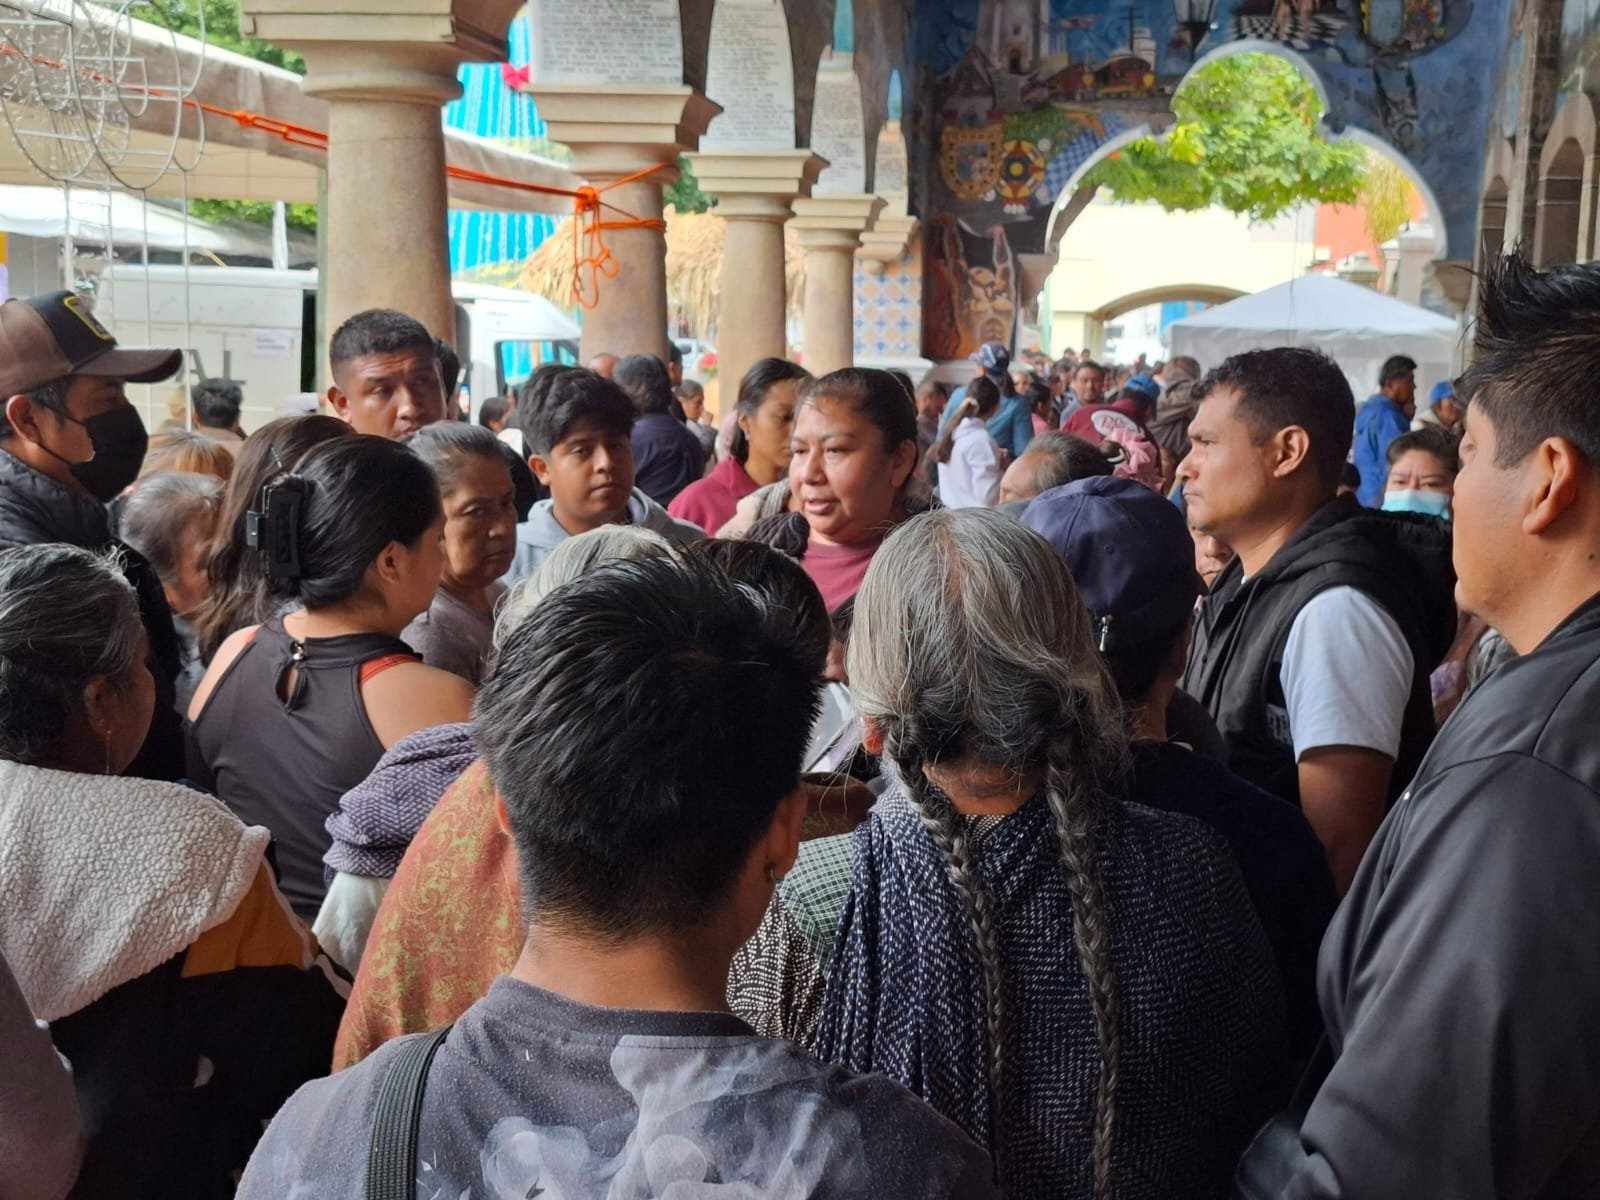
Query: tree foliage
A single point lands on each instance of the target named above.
(685, 194)
(256, 212)
(1245, 139)
(221, 28)
(1388, 196)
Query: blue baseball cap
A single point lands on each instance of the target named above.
(1129, 553)
(1443, 390)
(993, 357)
(1145, 385)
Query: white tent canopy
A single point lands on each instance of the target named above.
(98, 216)
(1355, 326)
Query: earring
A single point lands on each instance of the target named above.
(773, 878)
(106, 734)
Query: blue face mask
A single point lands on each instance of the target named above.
(1429, 504)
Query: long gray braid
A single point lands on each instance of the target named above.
(948, 831)
(971, 643)
(1082, 813)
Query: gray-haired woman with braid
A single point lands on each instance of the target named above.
(1078, 981)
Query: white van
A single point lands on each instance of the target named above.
(257, 327)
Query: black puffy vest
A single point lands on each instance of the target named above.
(1400, 560)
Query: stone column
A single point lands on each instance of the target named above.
(830, 230)
(388, 244)
(613, 135)
(385, 71)
(754, 191)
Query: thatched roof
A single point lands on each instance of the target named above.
(694, 270)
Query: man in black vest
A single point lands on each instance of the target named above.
(1459, 980)
(1313, 650)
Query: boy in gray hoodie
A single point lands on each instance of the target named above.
(577, 428)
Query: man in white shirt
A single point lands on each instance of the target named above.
(1313, 650)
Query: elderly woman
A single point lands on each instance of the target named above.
(1077, 982)
(480, 535)
(139, 918)
(171, 520)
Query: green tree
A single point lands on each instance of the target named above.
(1388, 196)
(685, 195)
(256, 212)
(1245, 139)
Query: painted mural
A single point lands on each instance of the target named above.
(1580, 46)
(1016, 97)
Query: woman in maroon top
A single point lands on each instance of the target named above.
(853, 450)
(760, 453)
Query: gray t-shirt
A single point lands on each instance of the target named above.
(534, 1095)
(454, 636)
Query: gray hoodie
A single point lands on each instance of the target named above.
(542, 533)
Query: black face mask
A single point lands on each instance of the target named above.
(120, 441)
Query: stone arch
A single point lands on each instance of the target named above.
(1069, 203)
(1499, 172)
(1209, 293)
(1564, 226)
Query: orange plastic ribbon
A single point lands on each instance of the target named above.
(589, 226)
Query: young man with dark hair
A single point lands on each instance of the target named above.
(1459, 978)
(644, 730)
(70, 443)
(1313, 648)
(667, 457)
(577, 430)
(386, 377)
(1385, 416)
(217, 403)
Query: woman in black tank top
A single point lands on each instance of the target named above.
(280, 727)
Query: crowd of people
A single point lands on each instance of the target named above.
(1093, 784)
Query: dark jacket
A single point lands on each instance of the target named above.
(1459, 980)
(666, 457)
(177, 1070)
(1284, 867)
(1400, 560)
(35, 509)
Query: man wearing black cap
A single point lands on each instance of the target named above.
(1130, 555)
(70, 442)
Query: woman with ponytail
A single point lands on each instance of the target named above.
(295, 712)
(1078, 982)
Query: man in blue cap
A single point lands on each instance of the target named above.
(1132, 560)
(1444, 411)
(1011, 426)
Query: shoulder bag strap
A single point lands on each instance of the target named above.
(392, 1157)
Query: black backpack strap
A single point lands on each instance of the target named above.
(392, 1157)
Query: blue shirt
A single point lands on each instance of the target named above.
(1378, 422)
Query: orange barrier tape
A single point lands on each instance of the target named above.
(589, 249)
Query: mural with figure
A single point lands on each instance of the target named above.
(1016, 96)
